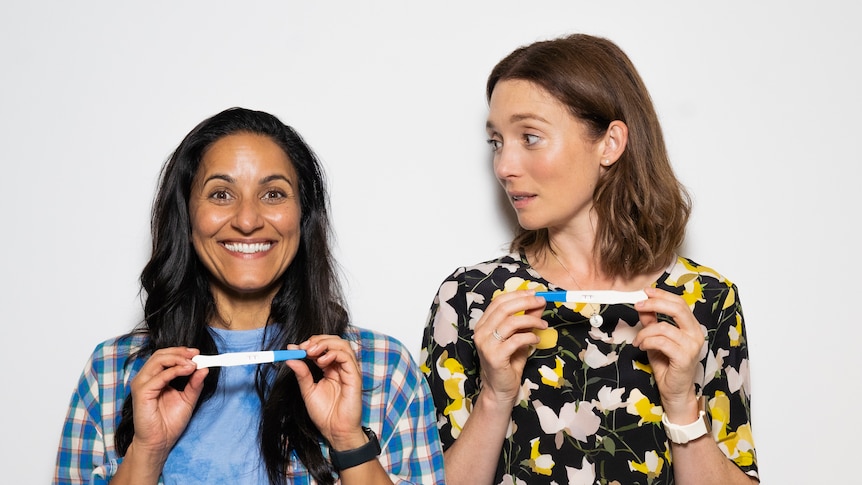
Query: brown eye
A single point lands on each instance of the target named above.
(274, 195)
(220, 195)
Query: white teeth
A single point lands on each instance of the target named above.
(248, 248)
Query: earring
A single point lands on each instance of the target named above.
(606, 162)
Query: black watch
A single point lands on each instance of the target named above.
(342, 460)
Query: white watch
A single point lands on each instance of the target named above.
(682, 434)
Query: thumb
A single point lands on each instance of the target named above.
(303, 374)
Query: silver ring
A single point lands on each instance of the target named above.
(498, 336)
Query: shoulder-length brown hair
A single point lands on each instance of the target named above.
(642, 208)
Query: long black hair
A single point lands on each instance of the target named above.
(179, 305)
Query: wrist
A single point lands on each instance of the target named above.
(349, 441)
(146, 454)
(681, 432)
(143, 462)
(494, 402)
(682, 410)
(369, 450)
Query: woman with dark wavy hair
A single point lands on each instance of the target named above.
(240, 263)
(592, 353)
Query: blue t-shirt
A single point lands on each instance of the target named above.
(221, 439)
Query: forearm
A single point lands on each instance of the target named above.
(368, 473)
(361, 446)
(701, 462)
(139, 468)
(473, 458)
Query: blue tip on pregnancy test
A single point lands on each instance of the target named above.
(246, 358)
(605, 297)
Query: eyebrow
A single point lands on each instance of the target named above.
(264, 180)
(520, 117)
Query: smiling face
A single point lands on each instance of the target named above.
(245, 215)
(542, 156)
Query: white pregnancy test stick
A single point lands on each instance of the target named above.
(606, 297)
(246, 358)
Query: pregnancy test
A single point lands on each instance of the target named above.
(606, 297)
(246, 358)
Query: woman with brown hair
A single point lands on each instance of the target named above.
(592, 353)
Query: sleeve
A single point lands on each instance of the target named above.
(726, 380)
(82, 455)
(409, 442)
(450, 359)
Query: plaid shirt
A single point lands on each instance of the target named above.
(400, 411)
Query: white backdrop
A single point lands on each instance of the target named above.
(759, 101)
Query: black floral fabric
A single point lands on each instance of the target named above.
(589, 410)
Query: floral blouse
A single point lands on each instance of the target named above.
(589, 410)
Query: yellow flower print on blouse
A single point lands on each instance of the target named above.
(642, 366)
(423, 358)
(730, 299)
(553, 377)
(640, 405)
(738, 445)
(541, 464)
(651, 466)
(517, 284)
(687, 276)
(458, 410)
(735, 332)
(547, 338)
(594, 414)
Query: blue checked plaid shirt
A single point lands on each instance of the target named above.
(400, 410)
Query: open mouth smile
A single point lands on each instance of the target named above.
(246, 248)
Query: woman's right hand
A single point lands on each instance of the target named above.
(502, 355)
(161, 412)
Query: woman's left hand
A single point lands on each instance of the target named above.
(334, 403)
(673, 351)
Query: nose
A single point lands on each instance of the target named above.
(506, 163)
(248, 217)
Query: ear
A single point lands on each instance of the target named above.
(614, 142)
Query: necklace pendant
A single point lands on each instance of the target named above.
(596, 320)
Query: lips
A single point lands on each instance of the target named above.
(247, 248)
(520, 199)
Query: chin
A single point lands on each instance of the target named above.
(529, 225)
(252, 288)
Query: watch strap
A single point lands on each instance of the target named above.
(682, 434)
(343, 460)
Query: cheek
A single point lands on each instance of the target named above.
(206, 222)
(285, 222)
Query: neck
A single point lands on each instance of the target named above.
(569, 262)
(569, 258)
(240, 312)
